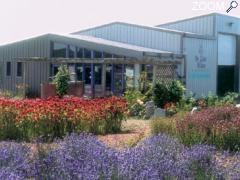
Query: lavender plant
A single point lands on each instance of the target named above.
(14, 161)
(84, 157)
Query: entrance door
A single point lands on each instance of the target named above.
(227, 69)
(226, 79)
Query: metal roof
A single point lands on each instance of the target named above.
(116, 44)
(196, 17)
(100, 41)
(135, 25)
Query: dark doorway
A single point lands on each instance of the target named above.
(226, 80)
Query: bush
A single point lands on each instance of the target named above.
(135, 102)
(61, 80)
(164, 93)
(51, 118)
(161, 94)
(219, 126)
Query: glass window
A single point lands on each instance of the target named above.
(79, 52)
(8, 71)
(130, 76)
(71, 51)
(79, 72)
(149, 69)
(98, 74)
(59, 50)
(117, 56)
(55, 70)
(87, 53)
(97, 54)
(107, 55)
(19, 69)
(87, 74)
(108, 77)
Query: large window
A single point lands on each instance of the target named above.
(79, 72)
(97, 54)
(87, 74)
(130, 76)
(8, 69)
(79, 52)
(108, 77)
(98, 74)
(59, 50)
(19, 69)
(87, 53)
(71, 51)
(107, 55)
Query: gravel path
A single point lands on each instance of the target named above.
(133, 132)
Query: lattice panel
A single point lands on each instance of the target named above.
(165, 73)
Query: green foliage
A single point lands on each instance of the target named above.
(61, 80)
(163, 125)
(135, 100)
(176, 91)
(161, 94)
(164, 93)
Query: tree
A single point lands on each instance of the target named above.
(61, 80)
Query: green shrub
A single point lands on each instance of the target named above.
(176, 91)
(61, 80)
(161, 94)
(164, 93)
(135, 101)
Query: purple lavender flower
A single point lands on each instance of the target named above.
(79, 157)
(14, 163)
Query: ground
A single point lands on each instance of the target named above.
(133, 131)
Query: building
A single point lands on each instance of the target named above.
(203, 52)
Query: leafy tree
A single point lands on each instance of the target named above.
(61, 80)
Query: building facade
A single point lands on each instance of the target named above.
(203, 52)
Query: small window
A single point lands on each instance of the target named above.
(71, 51)
(19, 69)
(8, 72)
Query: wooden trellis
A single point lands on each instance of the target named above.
(165, 73)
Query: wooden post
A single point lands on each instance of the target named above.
(104, 80)
(136, 75)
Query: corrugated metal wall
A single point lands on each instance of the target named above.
(227, 24)
(201, 65)
(203, 25)
(36, 73)
(137, 35)
(35, 47)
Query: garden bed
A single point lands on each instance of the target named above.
(30, 119)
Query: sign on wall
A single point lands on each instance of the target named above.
(200, 69)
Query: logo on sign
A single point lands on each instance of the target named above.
(200, 59)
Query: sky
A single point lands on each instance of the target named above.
(22, 19)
